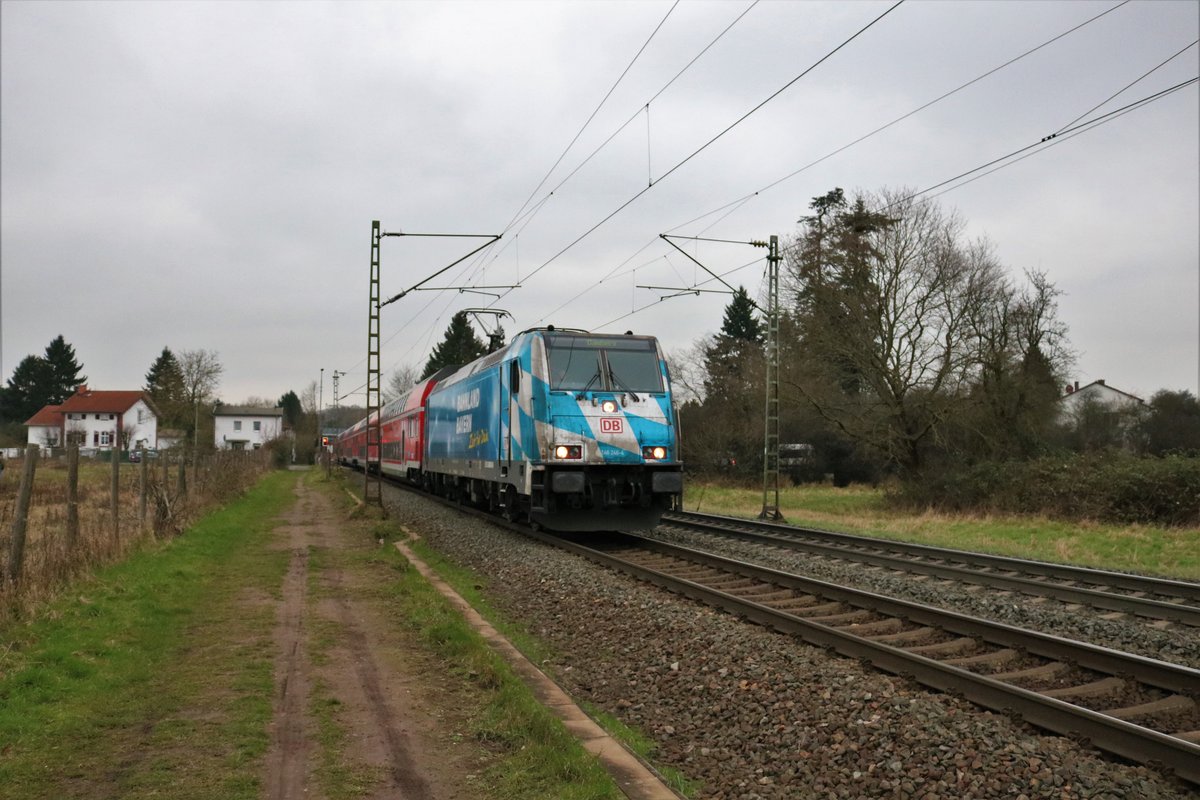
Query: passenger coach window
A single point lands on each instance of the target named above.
(514, 376)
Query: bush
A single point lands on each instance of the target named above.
(1113, 486)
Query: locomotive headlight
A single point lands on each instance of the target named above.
(609, 407)
(568, 451)
(654, 453)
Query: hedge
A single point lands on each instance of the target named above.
(1111, 486)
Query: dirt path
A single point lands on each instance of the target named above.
(359, 710)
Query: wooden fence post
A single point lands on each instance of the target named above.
(142, 470)
(72, 496)
(181, 487)
(116, 493)
(165, 457)
(16, 552)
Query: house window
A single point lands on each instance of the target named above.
(237, 424)
(257, 425)
(97, 416)
(105, 438)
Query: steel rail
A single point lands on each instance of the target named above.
(854, 547)
(1113, 735)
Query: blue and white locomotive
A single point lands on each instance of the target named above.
(572, 430)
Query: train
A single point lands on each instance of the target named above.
(564, 429)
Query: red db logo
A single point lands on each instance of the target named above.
(611, 425)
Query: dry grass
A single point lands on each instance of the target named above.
(1174, 552)
(50, 562)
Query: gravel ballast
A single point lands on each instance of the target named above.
(1178, 644)
(748, 713)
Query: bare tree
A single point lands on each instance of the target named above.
(401, 380)
(76, 433)
(894, 308)
(201, 375)
(126, 436)
(687, 371)
(308, 399)
(50, 437)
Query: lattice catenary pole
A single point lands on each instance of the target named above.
(372, 485)
(770, 510)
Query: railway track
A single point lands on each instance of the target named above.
(1135, 595)
(1137, 708)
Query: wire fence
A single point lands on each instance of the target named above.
(64, 515)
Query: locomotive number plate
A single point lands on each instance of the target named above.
(611, 425)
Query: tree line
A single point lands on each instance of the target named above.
(907, 349)
(178, 386)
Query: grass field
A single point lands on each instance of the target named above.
(155, 677)
(150, 680)
(1173, 552)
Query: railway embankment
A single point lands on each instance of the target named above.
(753, 714)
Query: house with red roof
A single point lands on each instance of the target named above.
(99, 419)
(46, 427)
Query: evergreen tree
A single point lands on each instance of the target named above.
(28, 389)
(63, 371)
(292, 410)
(164, 384)
(459, 346)
(740, 339)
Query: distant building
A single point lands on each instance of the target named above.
(97, 419)
(1097, 391)
(245, 427)
(46, 428)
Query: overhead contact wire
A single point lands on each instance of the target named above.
(542, 182)
(709, 143)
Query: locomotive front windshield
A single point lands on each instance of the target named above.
(619, 364)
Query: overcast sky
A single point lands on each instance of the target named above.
(204, 175)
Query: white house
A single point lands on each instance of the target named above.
(98, 419)
(45, 428)
(245, 427)
(1096, 391)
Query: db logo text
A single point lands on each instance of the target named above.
(611, 425)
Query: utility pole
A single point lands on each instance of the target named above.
(770, 510)
(373, 491)
(336, 376)
(771, 436)
(372, 470)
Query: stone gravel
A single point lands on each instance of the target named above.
(750, 714)
(1179, 644)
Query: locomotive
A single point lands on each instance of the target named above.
(570, 430)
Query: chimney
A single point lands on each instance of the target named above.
(81, 388)
(1100, 381)
(1077, 386)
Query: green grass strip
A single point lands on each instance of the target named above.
(155, 678)
(539, 758)
(1173, 552)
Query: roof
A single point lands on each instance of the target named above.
(1099, 386)
(246, 411)
(49, 416)
(87, 401)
